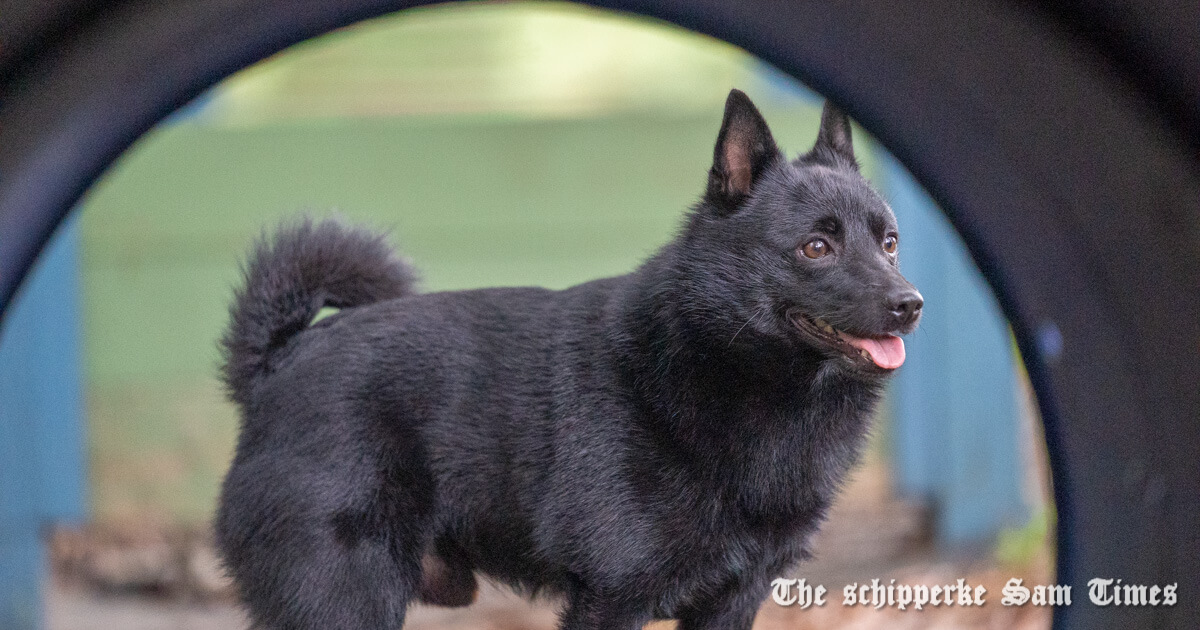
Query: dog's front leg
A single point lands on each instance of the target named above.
(733, 609)
(589, 609)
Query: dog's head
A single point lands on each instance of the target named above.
(801, 254)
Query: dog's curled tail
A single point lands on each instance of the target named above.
(289, 278)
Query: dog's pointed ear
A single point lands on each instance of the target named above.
(833, 140)
(744, 150)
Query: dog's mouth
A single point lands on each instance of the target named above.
(885, 352)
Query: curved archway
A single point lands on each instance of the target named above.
(1048, 153)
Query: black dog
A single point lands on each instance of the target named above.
(660, 444)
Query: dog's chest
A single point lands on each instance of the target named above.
(781, 464)
(751, 509)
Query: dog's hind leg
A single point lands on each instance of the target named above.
(334, 549)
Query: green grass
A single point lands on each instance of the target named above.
(1020, 546)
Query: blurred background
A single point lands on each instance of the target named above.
(501, 144)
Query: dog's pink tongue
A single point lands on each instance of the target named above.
(887, 353)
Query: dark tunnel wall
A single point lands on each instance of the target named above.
(1062, 142)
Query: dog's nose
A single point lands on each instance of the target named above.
(906, 306)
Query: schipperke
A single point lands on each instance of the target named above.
(656, 445)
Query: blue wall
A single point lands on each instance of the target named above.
(41, 425)
(956, 431)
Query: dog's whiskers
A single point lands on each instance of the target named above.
(758, 312)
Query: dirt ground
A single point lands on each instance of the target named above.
(148, 578)
(497, 609)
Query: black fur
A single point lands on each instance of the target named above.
(660, 444)
(306, 268)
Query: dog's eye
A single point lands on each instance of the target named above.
(889, 243)
(816, 248)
